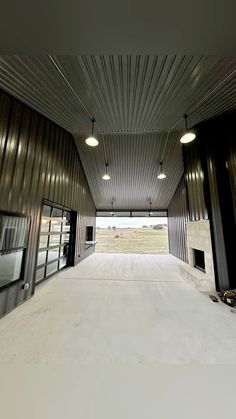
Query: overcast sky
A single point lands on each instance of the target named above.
(124, 222)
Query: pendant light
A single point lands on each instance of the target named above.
(92, 141)
(161, 174)
(106, 175)
(112, 209)
(150, 209)
(189, 134)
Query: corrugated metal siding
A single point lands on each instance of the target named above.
(219, 249)
(137, 95)
(195, 179)
(210, 164)
(217, 141)
(231, 166)
(178, 216)
(38, 160)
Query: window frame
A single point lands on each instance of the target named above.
(16, 249)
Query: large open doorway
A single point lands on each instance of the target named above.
(132, 235)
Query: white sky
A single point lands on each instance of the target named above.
(124, 222)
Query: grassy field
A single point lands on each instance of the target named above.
(131, 240)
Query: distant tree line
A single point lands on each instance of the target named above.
(154, 227)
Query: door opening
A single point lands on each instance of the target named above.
(132, 235)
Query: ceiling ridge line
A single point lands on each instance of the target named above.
(70, 86)
(190, 109)
(141, 131)
(210, 92)
(80, 101)
(164, 149)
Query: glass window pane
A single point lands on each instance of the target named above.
(65, 238)
(52, 267)
(66, 227)
(66, 221)
(41, 257)
(13, 232)
(56, 213)
(43, 241)
(64, 250)
(10, 267)
(63, 262)
(56, 225)
(54, 239)
(45, 222)
(45, 226)
(53, 254)
(40, 273)
(46, 211)
(66, 216)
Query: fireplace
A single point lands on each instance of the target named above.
(200, 269)
(199, 259)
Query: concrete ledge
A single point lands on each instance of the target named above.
(197, 278)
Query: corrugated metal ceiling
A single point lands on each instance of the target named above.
(133, 166)
(135, 100)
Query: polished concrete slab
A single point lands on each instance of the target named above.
(119, 308)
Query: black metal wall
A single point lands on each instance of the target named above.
(210, 174)
(39, 160)
(195, 178)
(230, 160)
(218, 156)
(188, 203)
(178, 216)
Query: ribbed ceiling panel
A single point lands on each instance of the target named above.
(135, 99)
(149, 93)
(133, 166)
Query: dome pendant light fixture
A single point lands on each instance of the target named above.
(189, 135)
(92, 141)
(112, 209)
(150, 209)
(161, 174)
(106, 175)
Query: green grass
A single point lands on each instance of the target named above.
(131, 240)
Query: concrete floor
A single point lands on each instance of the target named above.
(119, 308)
(118, 337)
